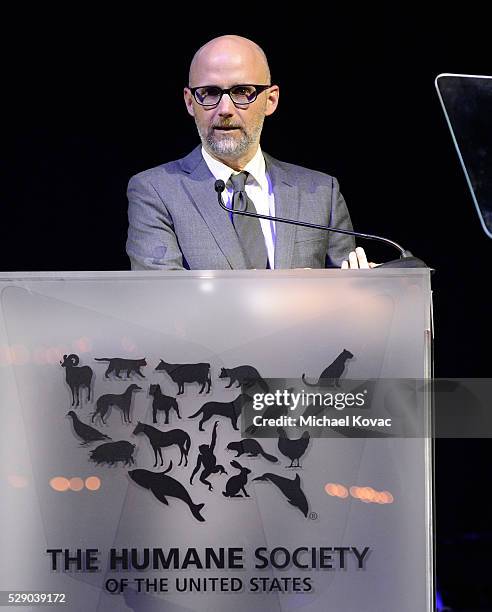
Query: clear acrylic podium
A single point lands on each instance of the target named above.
(207, 551)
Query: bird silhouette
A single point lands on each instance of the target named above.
(293, 449)
(85, 432)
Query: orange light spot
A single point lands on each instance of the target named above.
(82, 345)
(17, 481)
(92, 483)
(378, 498)
(389, 499)
(59, 483)
(76, 484)
(342, 492)
(330, 488)
(355, 492)
(365, 494)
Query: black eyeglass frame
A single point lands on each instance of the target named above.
(259, 89)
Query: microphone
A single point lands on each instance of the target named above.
(407, 260)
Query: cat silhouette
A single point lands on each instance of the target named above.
(330, 376)
(118, 364)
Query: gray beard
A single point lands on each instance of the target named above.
(229, 146)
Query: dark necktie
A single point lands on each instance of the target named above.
(248, 229)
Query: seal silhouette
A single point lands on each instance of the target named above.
(163, 486)
(290, 488)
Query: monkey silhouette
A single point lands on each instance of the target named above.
(208, 461)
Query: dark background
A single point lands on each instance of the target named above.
(90, 100)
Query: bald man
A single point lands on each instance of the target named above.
(175, 222)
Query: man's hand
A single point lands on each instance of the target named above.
(357, 260)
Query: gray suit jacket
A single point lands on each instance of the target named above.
(176, 223)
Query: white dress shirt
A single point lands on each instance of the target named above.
(258, 188)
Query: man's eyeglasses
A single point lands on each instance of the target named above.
(211, 95)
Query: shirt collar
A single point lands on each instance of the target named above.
(256, 168)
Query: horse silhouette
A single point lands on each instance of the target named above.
(159, 439)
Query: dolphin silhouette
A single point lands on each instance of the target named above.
(162, 486)
(290, 488)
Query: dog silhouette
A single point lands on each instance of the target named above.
(238, 482)
(159, 439)
(162, 402)
(231, 410)
(291, 489)
(330, 376)
(182, 373)
(208, 461)
(122, 401)
(118, 364)
(163, 486)
(244, 375)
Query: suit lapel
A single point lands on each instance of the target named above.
(286, 205)
(200, 186)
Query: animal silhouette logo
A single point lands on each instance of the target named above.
(77, 377)
(122, 401)
(293, 449)
(163, 486)
(85, 432)
(182, 373)
(330, 376)
(245, 376)
(208, 461)
(251, 447)
(113, 452)
(231, 410)
(162, 403)
(291, 489)
(237, 483)
(118, 364)
(159, 439)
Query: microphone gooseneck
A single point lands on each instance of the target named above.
(404, 254)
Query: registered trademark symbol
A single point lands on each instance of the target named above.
(313, 516)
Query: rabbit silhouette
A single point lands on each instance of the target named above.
(236, 483)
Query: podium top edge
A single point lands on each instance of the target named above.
(212, 274)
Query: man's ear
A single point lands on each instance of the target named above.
(188, 98)
(272, 100)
